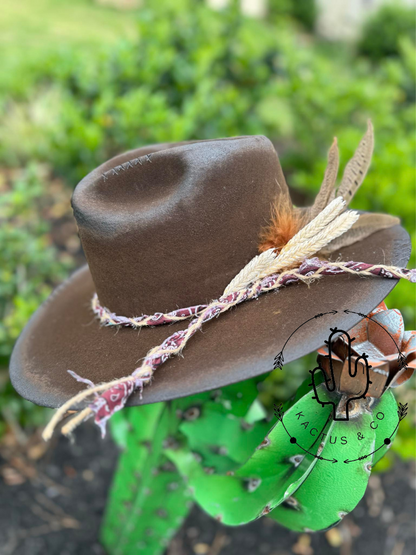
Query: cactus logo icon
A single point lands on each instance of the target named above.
(347, 405)
(357, 367)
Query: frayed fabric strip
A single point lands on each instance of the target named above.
(115, 397)
(108, 318)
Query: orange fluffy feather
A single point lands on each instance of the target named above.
(285, 223)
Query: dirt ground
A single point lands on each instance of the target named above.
(51, 503)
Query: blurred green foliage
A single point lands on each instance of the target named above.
(30, 267)
(183, 80)
(194, 73)
(384, 31)
(30, 264)
(302, 11)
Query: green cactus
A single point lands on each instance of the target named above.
(328, 494)
(282, 475)
(148, 499)
(387, 406)
(217, 448)
(222, 428)
(276, 468)
(331, 491)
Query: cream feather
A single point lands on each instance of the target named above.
(357, 167)
(366, 225)
(327, 191)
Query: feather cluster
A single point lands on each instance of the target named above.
(287, 221)
(328, 225)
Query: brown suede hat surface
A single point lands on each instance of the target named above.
(166, 227)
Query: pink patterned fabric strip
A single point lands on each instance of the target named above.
(108, 318)
(115, 398)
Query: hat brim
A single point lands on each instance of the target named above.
(242, 343)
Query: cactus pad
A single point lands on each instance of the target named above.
(273, 472)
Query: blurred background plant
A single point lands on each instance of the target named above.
(73, 93)
(386, 30)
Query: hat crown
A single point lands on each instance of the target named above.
(169, 226)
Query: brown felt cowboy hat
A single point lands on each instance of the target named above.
(169, 226)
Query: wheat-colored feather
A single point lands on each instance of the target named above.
(329, 223)
(357, 167)
(250, 273)
(327, 190)
(296, 251)
(366, 225)
(288, 222)
(325, 217)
